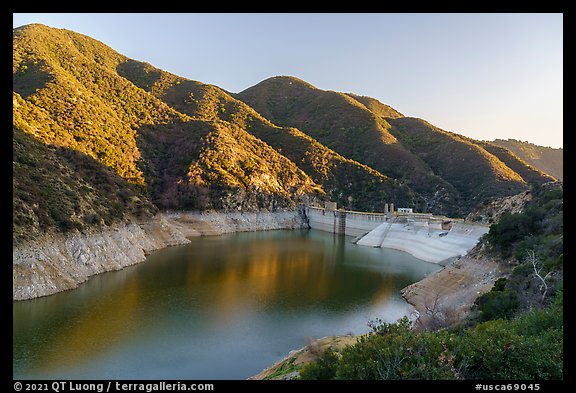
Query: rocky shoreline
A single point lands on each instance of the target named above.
(58, 262)
(446, 297)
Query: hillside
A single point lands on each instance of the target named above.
(528, 172)
(57, 188)
(451, 173)
(69, 94)
(179, 144)
(351, 184)
(474, 171)
(545, 159)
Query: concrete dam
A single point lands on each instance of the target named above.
(431, 238)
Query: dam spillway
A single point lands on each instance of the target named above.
(427, 237)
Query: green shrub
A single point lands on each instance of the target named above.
(322, 369)
(530, 347)
(527, 347)
(498, 304)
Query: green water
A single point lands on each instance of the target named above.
(221, 307)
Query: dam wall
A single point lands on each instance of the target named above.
(427, 237)
(344, 222)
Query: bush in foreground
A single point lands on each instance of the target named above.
(527, 347)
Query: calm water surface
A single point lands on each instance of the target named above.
(222, 307)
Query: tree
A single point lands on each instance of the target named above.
(537, 266)
(437, 315)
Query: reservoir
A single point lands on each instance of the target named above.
(220, 307)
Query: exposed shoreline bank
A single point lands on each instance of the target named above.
(59, 262)
(446, 297)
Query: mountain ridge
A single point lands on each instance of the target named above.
(182, 144)
(209, 102)
(388, 142)
(546, 159)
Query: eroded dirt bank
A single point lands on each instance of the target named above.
(447, 296)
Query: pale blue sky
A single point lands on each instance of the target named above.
(485, 76)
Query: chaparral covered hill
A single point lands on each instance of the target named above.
(546, 159)
(100, 138)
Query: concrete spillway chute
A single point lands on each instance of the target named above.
(431, 243)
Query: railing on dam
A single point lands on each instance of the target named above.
(350, 213)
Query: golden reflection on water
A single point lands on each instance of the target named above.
(263, 274)
(384, 291)
(213, 280)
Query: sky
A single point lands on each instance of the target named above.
(482, 75)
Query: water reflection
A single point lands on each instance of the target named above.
(209, 300)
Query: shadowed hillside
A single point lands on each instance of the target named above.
(528, 172)
(57, 188)
(545, 159)
(477, 174)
